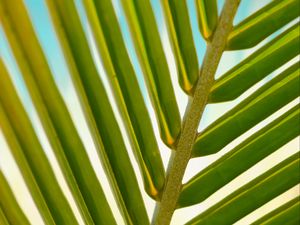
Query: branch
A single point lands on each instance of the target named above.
(178, 163)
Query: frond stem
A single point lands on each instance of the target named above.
(180, 158)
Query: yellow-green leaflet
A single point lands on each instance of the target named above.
(10, 211)
(254, 194)
(102, 121)
(127, 92)
(53, 111)
(266, 100)
(14, 119)
(262, 23)
(152, 58)
(251, 151)
(207, 17)
(257, 66)
(287, 212)
(178, 22)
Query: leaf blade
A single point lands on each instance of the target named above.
(3, 219)
(127, 93)
(258, 65)
(265, 101)
(287, 213)
(54, 115)
(207, 17)
(156, 72)
(25, 169)
(37, 160)
(9, 204)
(47, 123)
(113, 151)
(262, 23)
(178, 22)
(254, 194)
(251, 151)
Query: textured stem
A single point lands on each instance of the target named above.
(178, 163)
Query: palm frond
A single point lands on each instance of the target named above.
(276, 93)
(262, 23)
(127, 93)
(287, 212)
(41, 77)
(97, 39)
(254, 194)
(181, 35)
(3, 219)
(250, 152)
(33, 151)
(153, 61)
(27, 174)
(207, 16)
(10, 211)
(257, 66)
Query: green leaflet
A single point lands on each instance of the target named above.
(46, 121)
(285, 214)
(14, 114)
(54, 115)
(83, 100)
(104, 128)
(179, 160)
(9, 205)
(112, 150)
(3, 219)
(265, 101)
(207, 17)
(258, 65)
(262, 23)
(127, 92)
(178, 22)
(149, 48)
(25, 169)
(254, 194)
(250, 152)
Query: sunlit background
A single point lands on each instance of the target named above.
(45, 32)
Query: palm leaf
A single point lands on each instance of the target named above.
(262, 189)
(287, 212)
(182, 40)
(207, 16)
(127, 93)
(120, 169)
(101, 24)
(3, 219)
(277, 93)
(61, 120)
(39, 165)
(152, 58)
(22, 162)
(251, 151)
(262, 23)
(10, 211)
(257, 66)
